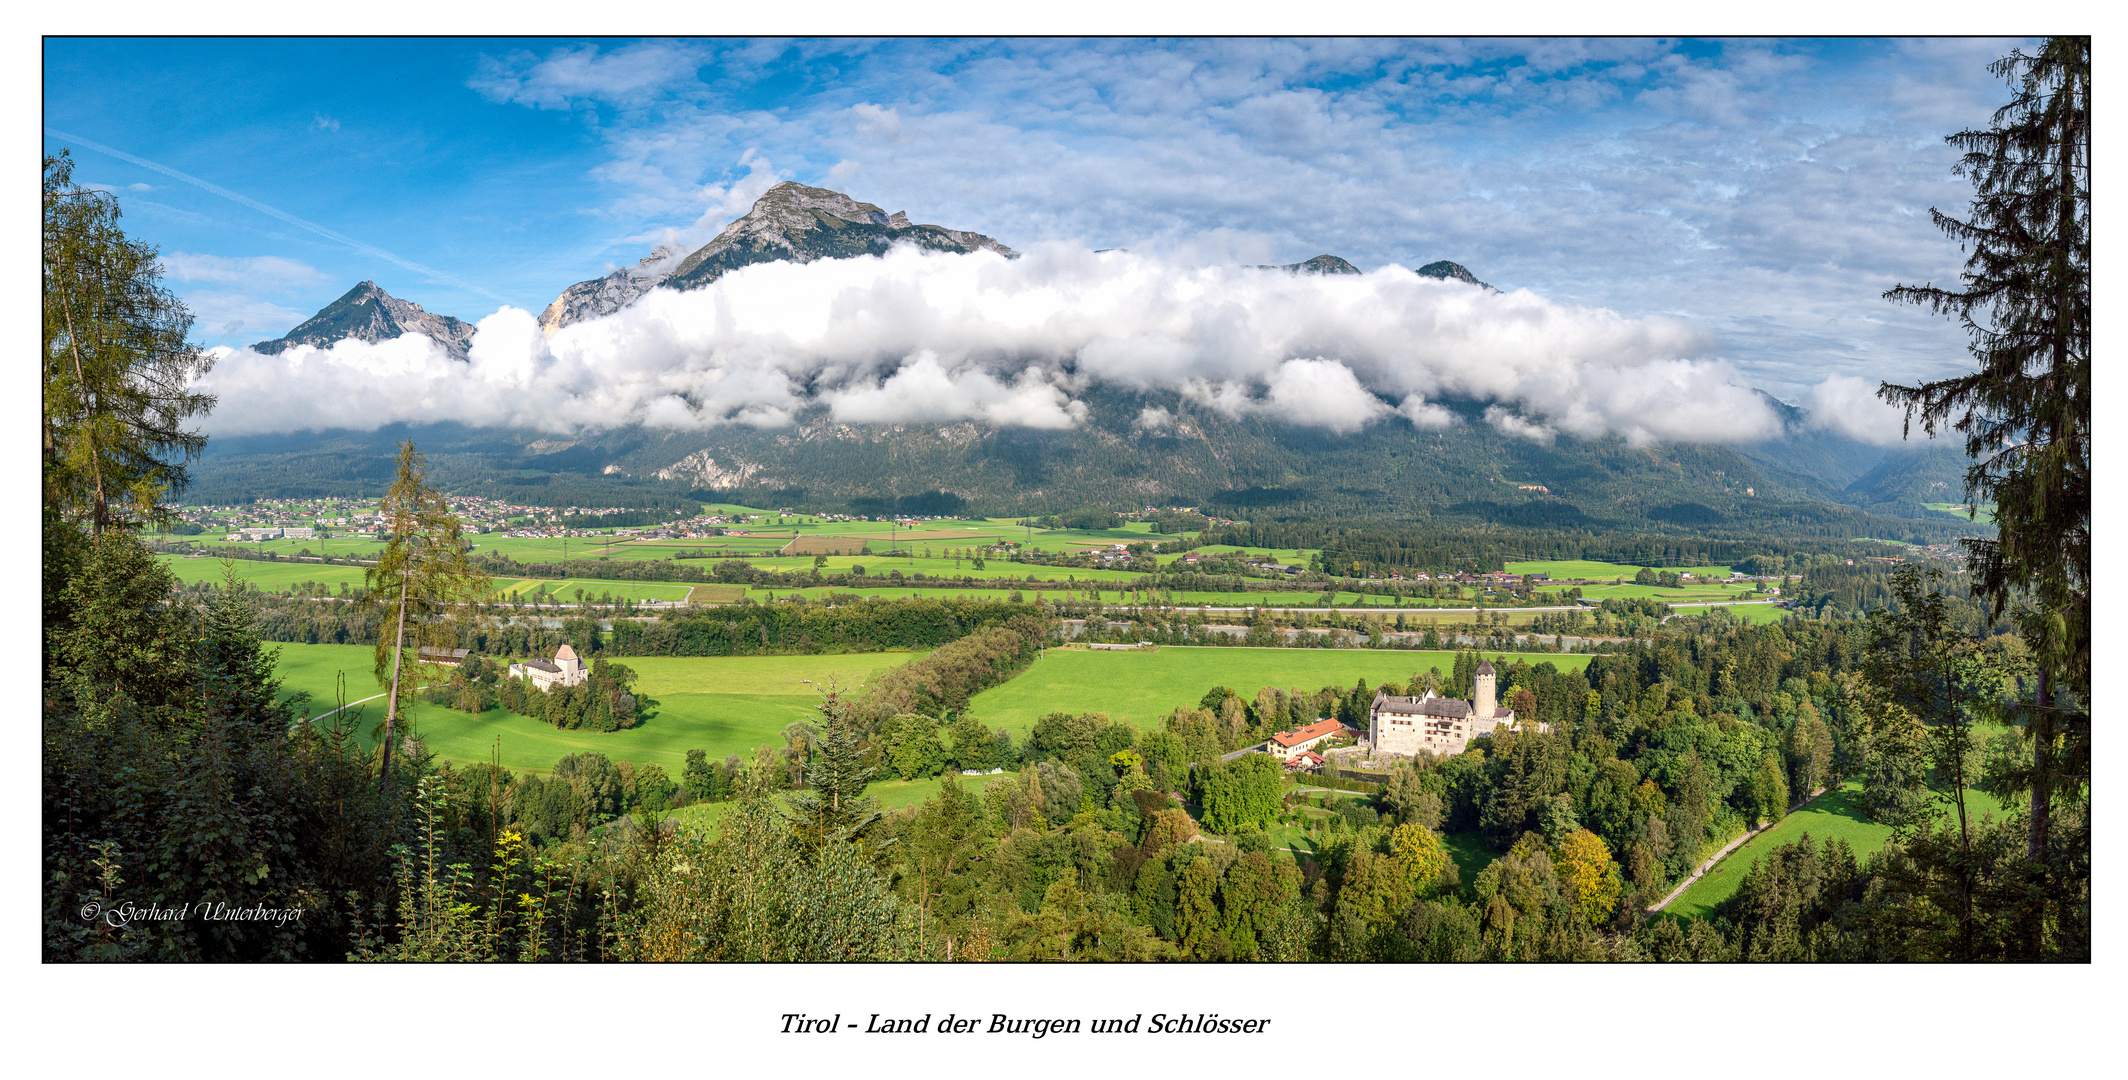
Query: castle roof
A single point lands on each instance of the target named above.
(1485, 667)
(548, 666)
(1447, 708)
(566, 653)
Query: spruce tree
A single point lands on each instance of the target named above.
(2025, 302)
(833, 807)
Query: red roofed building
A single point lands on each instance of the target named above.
(1290, 744)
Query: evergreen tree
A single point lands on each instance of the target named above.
(833, 807)
(2025, 302)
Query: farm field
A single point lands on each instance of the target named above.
(1758, 614)
(1689, 594)
(1985, 516)
(546, 590)
(1141, 687)
(1835, 815)
(280, 576)
(722, 705)
(1585, 568)
(269, 576)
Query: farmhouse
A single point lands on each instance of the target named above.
(1442, 725)
(566, 669)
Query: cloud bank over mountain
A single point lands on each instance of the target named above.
(926, 337)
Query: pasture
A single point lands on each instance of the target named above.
(1756, 614)
(1141, 687)
(1835, 815)
(545, 590)
(722, 705)
(1586, 568)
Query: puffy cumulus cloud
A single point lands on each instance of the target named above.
(917, 337)
(1848, 406)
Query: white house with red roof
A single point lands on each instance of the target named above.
(1291, 744)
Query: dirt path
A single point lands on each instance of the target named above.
(1724, 853)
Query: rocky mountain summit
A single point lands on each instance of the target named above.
(789, 223)
(368, 313)
(1451, 272)
(1321, 264)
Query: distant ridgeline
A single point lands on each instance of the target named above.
(1807, 485)
(1811, 487)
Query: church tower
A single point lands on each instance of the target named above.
(1482, 683)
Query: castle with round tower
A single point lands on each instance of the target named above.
(1440, 725)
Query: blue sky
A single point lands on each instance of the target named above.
(1762, 192)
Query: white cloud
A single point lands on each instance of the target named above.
(1425, 415)
(1510, 424)
(1849, 406)
(917, 337)
(265, 272)
(630, 75)
(239, 316)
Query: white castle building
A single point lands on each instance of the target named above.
(566, 669)
(1442, 725)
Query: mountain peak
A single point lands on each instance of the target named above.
(1322, 264)
(1449, 271)
(790, 222)
(368, 313)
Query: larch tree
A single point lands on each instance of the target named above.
(118, 372)
(424, 578)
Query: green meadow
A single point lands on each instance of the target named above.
(281, 576)
(1835, 815)
(722, 705)
(1750, 613)
(1585, 568)
(1143, 686)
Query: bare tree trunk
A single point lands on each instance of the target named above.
(391, 702)
(2042, 731)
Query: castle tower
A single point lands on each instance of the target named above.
(1482, 683)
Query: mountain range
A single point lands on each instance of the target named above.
(1252, 465)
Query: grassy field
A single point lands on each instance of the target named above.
(281, 576)
(1689, 594)
(1141, 687)
(269, 576)
(1984, 515)
(1834, 815)
(544, 590)
(723, 705)
(1584, 568)
(1472, 855)
(892, 795)
(1750, 613)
